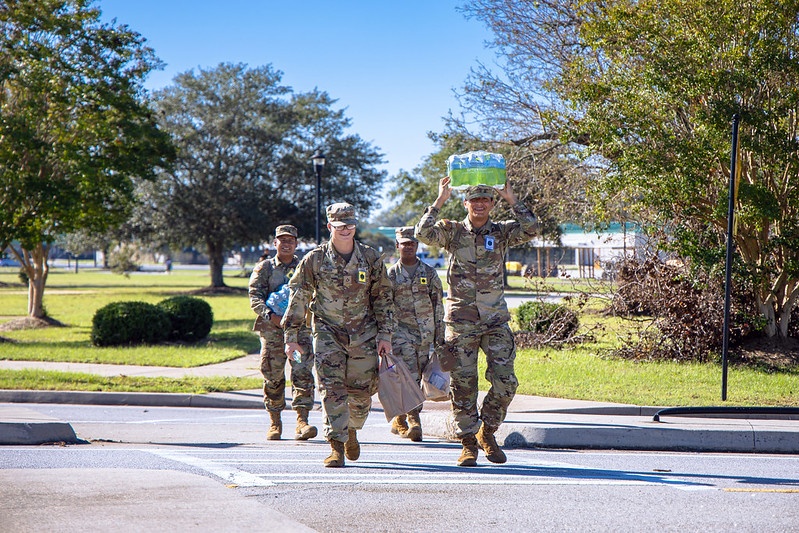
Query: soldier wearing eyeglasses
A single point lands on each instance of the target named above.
(343, 283)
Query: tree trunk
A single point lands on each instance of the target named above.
(216, 261)
(768, 313)
(784, 314)
(775, 303)
(35, 264)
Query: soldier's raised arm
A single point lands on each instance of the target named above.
(427, 230)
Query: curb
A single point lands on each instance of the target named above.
(147, 399)
(224, 401)
(614, 434)
(25, 426)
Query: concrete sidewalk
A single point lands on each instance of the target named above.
(532, 421)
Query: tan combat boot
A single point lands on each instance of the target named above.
(487, 442)
(469, 453)
(304, 430)
(276, 428)
(336, 457)
(399, 426)
(414, 427)
(351, 448)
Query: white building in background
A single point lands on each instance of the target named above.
(582, 253)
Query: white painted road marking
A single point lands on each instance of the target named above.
(232, 476)
(400, 467)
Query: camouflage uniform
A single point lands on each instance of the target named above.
(351, 311)
(267, 277)
(419, 309)
(476, 314)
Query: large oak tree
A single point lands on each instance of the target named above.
(244, 161)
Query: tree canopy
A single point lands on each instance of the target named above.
(650, 87)
(244, 161)
(74, 127)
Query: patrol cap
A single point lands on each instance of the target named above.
(480, 191)
(341, 214)
(405, 234)
(285, 229)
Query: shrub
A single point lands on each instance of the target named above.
(127, 323)
(191, 318)
(554, 322)
(122, 260)
(687, 308)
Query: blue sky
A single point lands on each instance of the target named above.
(391, 65)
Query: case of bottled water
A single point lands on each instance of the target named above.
(278, 301)
(476, 168)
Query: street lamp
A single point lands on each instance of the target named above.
(318, 164)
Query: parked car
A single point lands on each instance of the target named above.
(6, 262)
(439, 261)
(514, 268)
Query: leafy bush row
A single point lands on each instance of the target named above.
(181, 318)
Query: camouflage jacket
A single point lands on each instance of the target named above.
(267, 277)
(476, 262)
(353, 298)
(418, 304)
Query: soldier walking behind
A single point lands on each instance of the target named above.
(268, 276)
(344, 284)
(476, 314)
(419, 309)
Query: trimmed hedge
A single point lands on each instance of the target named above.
(129, 323)
(191, 318)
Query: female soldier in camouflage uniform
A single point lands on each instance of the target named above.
(344, 285)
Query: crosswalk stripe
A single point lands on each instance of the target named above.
(232, 476)
(222, 467)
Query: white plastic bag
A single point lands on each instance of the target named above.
(435, 381)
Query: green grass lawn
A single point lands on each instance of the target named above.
(72, 299)
(579, 372)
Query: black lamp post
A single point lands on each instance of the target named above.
(318, 164)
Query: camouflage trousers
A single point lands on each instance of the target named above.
(273, 368)
(347, 373)
(499, 347)
(414, 355)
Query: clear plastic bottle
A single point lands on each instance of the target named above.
(459, 176)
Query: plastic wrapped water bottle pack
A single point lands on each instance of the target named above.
(476, 168)
(278, 301)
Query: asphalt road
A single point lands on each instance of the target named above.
(195, 469)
